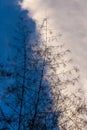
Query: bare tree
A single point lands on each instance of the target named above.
(64, 82)
(40, 96)
(14, 102)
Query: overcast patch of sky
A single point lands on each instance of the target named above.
(70, 18)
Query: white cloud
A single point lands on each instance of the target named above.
(70, 18)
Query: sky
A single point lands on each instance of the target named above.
(8, 19)
(68, 17)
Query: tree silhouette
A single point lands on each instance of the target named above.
(39, 97)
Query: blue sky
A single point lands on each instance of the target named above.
(9, 16)
(10, 12)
